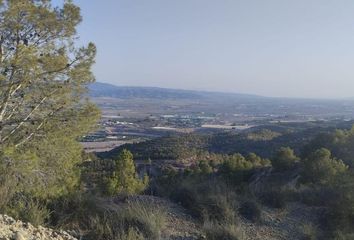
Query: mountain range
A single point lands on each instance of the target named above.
(99, 89)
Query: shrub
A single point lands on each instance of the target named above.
(72, 211)
(284, 159)
(134, 219)
(235, 169)
(257, 161)
(28, 210)
(147, 218)
(35, 212)
(321, 167)
(7, 187)
(124, 178)
(207, 199)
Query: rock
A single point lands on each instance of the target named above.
(11, 229)
(19, 236)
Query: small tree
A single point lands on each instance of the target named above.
(234, 168)
(256, 160)
(125, 178)
(43, 111)
(284, 159)
(321, 167)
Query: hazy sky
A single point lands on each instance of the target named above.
(302, 48)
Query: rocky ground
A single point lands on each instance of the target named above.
(275, 224)
(11, 229)
(179, 224)
(283, 224)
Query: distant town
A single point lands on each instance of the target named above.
(148, 113)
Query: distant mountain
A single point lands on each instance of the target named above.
(171, 101)
(99, 89)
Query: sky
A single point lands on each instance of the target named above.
(281, 48)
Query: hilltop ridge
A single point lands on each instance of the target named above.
(99, 89)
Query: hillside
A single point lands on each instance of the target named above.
(262, 140)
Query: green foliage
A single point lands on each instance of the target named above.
(339, 142)
(203, 167)
(43, 110)
(257, 161)
(321, 167)
(263, 141)
(263, 135)
(29, 210)
(206, 199)
(72, 211)
(149, 219)
(163, 148)
(236, 168)
(284, 159)
(43, 74)
(136, 219)
(340, 203)
(124, 178)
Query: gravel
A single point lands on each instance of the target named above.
(11, 229)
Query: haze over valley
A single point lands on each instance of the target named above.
(132, 114)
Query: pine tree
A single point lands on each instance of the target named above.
(43, 78)
(284, 159)
(124, 178)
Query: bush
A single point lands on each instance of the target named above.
(7, 187)
(284, 159)
(35, 213)
(149, 219)
(135, 219)
(72, 211)
(111, 226)
(207, 199)
(124, 178)
(320, 167)
(27, 209)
